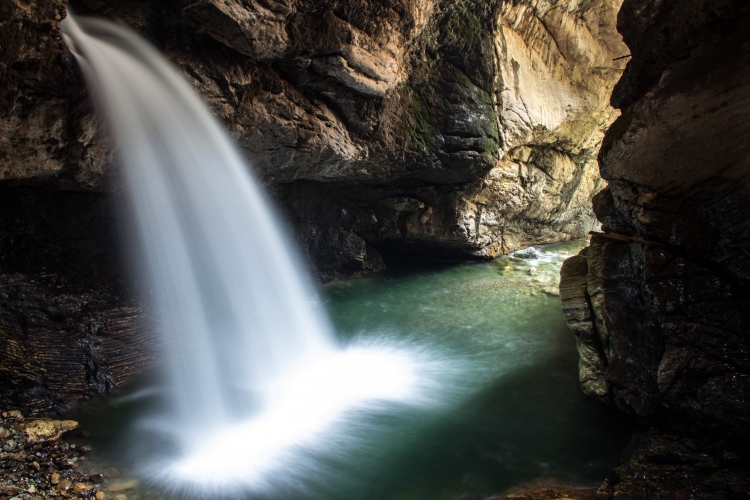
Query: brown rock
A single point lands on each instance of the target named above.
(10, 490)
(54, 478)
(83, 488)
(64, 485)
(43, 430)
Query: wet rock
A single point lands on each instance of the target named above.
(673, 466)
(7, 489)
(83, 488)
(100, 495)
(578, 312)
(65, 463)
(54, 478)
(96, 478)
(68, 332)
(43, 430)
(529, 253)
(665, 305)
(64, 485)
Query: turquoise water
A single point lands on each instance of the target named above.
(504, 406)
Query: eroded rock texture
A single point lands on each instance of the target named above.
(69, 327)
(448, 129)
(661, 304)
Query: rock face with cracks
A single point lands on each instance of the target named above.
(660, 303)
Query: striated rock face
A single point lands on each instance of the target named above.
(486, 115)
(661, 304)
(69, 327)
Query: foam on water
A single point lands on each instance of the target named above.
(254, 370)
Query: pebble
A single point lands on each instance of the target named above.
(83, 488)
(96, 478)
(64, 485)
(121, 496)
(54, 478)
(100, 495)
(9, 490)
(532, 271)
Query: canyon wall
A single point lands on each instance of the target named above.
(660, 303)
(403, 128)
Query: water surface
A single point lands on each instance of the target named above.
(501, 401)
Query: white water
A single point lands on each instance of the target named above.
(254, 369)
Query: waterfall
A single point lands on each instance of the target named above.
(250, 355)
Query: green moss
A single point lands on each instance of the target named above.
(424, 132)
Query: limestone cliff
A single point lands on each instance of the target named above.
(660, 304)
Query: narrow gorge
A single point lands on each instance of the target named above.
(399, 134)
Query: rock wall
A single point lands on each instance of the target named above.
(660, 303)
(485, 116)
(70, 328)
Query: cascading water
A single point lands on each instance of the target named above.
(254, 366)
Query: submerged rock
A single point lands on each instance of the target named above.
(120, 486)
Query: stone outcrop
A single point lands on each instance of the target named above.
(486, 115)
(660, 303)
